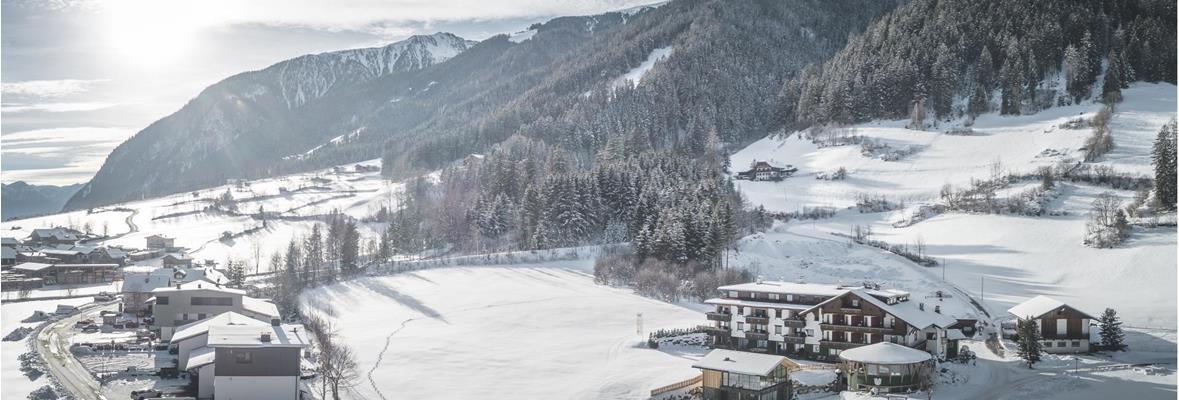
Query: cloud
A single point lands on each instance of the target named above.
(54, 107)
(57, 155)
(380, 16)
(48, 88)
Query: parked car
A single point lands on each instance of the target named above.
(145, 394)
(63, 309)
(83, 323)
(90, 328)
(104, 296)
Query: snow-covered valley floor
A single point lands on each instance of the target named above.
(502, 332)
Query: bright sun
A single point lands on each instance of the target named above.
(154, 33)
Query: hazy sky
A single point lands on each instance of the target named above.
(80, 76)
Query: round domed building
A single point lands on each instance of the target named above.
(887, 367)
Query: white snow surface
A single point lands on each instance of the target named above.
(885, 353)
(635, 75)
(493, 332)
(294, 198)
(999, 259)
(521, 36)
(13, 383)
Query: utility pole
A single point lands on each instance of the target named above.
(943, 269)
(982, 291)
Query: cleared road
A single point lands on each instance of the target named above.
(53, 347)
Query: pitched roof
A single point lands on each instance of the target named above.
(885, 353)
(259, 306)
(1038, 306)
(907, 311)
(200, 356)
(740, 362)
(202, 327)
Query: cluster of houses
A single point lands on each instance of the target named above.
(882, 340)
(232, 345)
(64, 256)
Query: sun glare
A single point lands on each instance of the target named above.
(155, 33)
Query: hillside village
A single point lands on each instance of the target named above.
(689, 200)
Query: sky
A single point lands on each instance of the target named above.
(81, 76)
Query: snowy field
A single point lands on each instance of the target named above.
(527, 333)
(1002, 258)
(295, 198)
(15, 385)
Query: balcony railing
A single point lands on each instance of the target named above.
(719, 316)
(794, 323)
(758, 319)
(717, 330)
(856, 328)
(840, 345)
(757, 335)
(794, 339)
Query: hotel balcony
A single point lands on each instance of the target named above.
(794, 323)
(719, 316)
(712, 330)
(757, 335)
(840, 345)
(758, 319)
(855, 328)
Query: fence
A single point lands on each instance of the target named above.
(678, 385)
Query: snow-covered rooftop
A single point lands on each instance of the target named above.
(252, 336)
(815, 289)
(199, 357)
(751, 303)
(201, 327)
(259, 306)
(1038, 306)
(740, 362)
(908, 311)
(885, 353)
(32, 266)
(199, 285)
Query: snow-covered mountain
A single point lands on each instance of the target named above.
(241, 126)
(305, 78)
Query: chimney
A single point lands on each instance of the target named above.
(265, 337)
(198, 286)
(937, 309)
(921, 306)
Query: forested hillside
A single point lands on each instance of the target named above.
(956, 57)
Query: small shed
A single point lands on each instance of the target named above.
(887, 367)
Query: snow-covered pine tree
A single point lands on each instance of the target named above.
(1112, 337)
(1164, 157)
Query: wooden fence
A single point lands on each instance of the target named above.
(678, 385)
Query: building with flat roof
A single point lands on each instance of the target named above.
(230, 356)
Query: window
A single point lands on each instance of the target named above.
(162, 300)
(773, 296)
(734, 294)
(1047, 344)
(930, 335)
(243, 357)
(833, 352)
(200, 316)
(778, 330)
(777, 313)
(1061, 344)
(741, 326)
(212, 301)
(1076, 343)
(810, 332)
(740, 310)
(789, 297)
(1062, 327)
(856, 303)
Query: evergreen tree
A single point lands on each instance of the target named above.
(313, 256)
(1111, 87)
(235, 273)
(349, 248)
(1163, 155)
(1112, 337)
(1029, 341)
(294, 255)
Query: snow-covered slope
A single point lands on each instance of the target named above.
(311, 76)
(291, 204)
(1015, 257)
